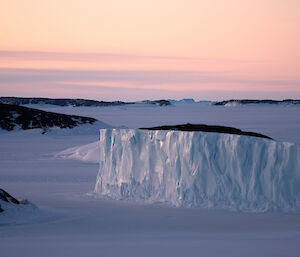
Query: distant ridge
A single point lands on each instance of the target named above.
(157, 102)
(185, 100)
(74, 102)
(250, 101)
(208, 128)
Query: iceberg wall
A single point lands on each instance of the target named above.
(199, 169)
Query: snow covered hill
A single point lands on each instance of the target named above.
(74, 102)
(197, 169)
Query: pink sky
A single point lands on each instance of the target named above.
(138, 49)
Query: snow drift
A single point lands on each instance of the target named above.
(86, 153)
(199, 169)
(13, 211)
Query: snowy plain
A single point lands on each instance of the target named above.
(77, 223)
(281, 122)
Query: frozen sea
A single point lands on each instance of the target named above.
(73, 222)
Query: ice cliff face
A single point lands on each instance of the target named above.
(199, 169)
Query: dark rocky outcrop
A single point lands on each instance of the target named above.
(208, 128)
(29, 118)
(59, 102)
(266, 101)
(157, 102)
(73, 102)
(6, 197)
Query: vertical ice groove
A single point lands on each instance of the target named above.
(199, 169)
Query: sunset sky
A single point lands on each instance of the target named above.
(141, 49)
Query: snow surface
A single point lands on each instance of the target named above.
(198, 169)
(23, 213)
(279, 122)
(83, 225)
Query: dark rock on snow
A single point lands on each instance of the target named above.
(59, 102)
(208, 128)
(6, 197)
(267, 101)
(157, 102)
(29, 118)
(73, 102)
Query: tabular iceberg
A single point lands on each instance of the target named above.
(198, 169)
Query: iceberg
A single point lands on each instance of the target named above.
(199, 169)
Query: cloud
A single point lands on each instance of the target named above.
(138, 78)
(140, 84)
(101, 56)
(87, 56)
